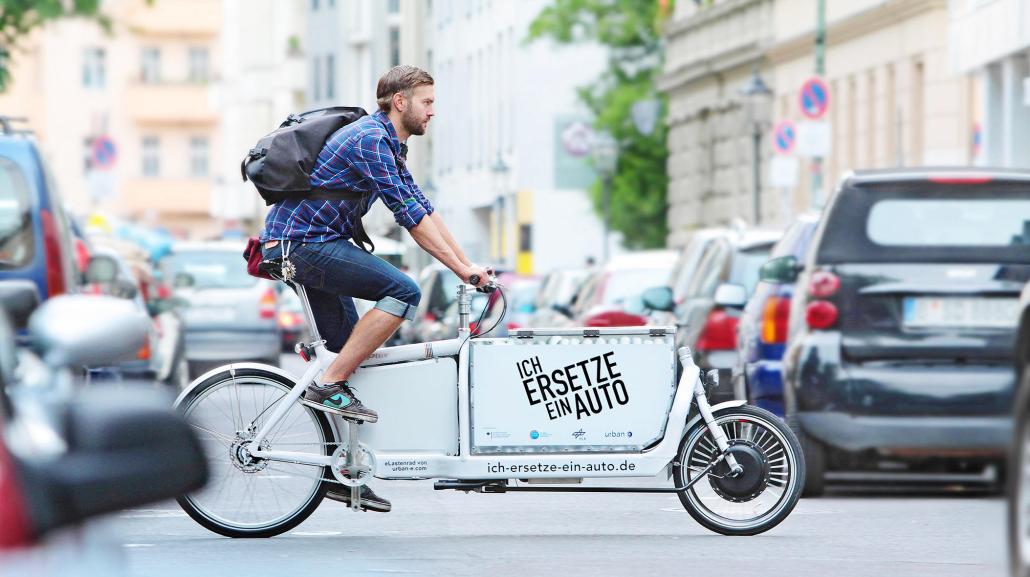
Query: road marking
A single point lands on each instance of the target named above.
(315, 533)
(134, 545)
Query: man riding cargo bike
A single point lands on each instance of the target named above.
(366, 157)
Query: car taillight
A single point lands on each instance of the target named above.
(614, 319)
(267, 305)
(430, 318)
(821, 314)
(960, 179)
(143, 353)
(289, 320)
(775, 316)
(823, 284)
(55, 280)
(719, 333)
(15, 529)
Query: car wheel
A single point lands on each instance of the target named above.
(815, 461)
(180, 376)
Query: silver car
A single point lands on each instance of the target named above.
(231, 316)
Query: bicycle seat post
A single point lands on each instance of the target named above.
(308, 314)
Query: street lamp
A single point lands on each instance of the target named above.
(757, 96)
(605, 151)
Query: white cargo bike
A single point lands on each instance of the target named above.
(541, 410)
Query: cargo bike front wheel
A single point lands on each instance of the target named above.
(754, 500)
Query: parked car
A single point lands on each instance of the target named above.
(163, 357)
(555, 299)
(611, 297)
(762, 327)
(899, 353)
(1019, 456)
(229, 315)
(706, 319)
(685, 269)
(439, 286)
(35, 238)
(67, 457)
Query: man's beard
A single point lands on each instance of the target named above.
(413, 124)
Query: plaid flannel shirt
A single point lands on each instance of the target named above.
(363, 156)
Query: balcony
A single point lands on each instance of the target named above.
(167, 195)
(170, 104)
(189, 18)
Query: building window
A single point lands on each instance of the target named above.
(198, 156)
(150, 65)
(87, 154)
(393, 6)
(199, 63)
(330, 76)
(316, 78)
(94, 73)
(395, 46)
(151, 156)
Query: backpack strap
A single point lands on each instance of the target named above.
(359, 235)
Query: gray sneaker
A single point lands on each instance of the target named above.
(369, 500)
(338, 398)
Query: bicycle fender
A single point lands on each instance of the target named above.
(232, 366)
(716, 409)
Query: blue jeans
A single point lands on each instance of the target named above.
(334, 273)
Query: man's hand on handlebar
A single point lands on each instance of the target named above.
(478, 276)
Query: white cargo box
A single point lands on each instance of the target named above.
(547, 390)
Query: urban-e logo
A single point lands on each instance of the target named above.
(585, 388)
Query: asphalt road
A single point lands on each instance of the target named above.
(449, 533)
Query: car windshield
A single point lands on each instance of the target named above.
(206, 269)
(15, 221)
(629, 283)
(942, 222)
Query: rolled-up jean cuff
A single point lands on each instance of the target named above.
(397, 308)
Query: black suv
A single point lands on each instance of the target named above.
(902, 329)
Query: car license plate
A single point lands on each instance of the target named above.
(211, 314)
(930, 312)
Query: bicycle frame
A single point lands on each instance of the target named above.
(465, 464)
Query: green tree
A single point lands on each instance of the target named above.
(631, 30)
(20, 17)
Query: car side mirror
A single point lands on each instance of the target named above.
(782, 270)
(73, 330)
(124, 450)
(658, 298)
(730, 295)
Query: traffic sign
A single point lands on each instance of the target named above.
(104, 153)
(815, 138)
(814, 98)
(784, 137)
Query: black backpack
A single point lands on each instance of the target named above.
(280, 164)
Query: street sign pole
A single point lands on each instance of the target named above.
(820, 71)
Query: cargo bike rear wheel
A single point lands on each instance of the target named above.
(758, 498)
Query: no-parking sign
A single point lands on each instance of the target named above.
(104, 153)
(814, 98)
(784, 136)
